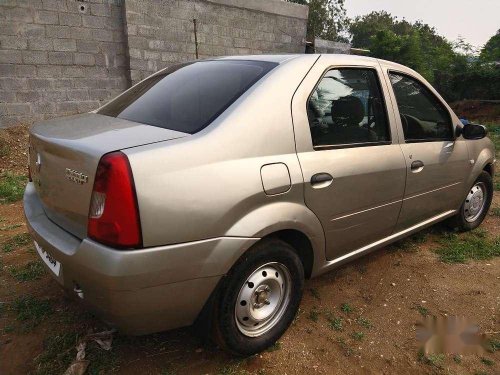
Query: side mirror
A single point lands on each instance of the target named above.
(474, 131)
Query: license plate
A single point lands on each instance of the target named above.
(53, 264)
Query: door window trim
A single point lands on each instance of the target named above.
(384, 103)
(412, 77)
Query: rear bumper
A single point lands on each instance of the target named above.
(138, 291)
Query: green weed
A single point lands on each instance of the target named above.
(314, 314)
(31, 311)
(274, 347)
(358, 336)
(31, 271)
(473, 245)
(315, 293)
(487, 361)
(16, 241)
(364, 322)
(345, 307)
(11, 187)
(422, 310)
(336, 323)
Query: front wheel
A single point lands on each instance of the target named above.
(259, 298)
(476, 204)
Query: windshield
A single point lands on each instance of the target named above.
(189, 96)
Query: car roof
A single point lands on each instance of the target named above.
(342, 57)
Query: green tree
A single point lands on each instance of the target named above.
(416, 45)
(327, 19)
(491, 50)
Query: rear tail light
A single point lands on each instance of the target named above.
(114, 215)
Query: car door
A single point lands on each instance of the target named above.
(437, 163)
(352, 164)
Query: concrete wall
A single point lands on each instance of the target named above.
(60, 57)
(161, 34)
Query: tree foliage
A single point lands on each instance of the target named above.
(454, 68)
(327, 19)
(491, 50)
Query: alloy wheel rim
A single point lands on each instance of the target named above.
(263, 299)
(475, 202)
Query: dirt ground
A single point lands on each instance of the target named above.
(358, 319)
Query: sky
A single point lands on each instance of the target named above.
(475, 20)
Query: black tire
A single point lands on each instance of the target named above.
(459, 222)
(225, 329)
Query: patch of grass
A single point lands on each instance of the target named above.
(31, 311)
(101, 361)
(358, 336)
(345, 307)
(58, 352)
(315, 293)
(231, 370)
(493, 345)
(411, 243)
(336, 323)
(313, 314)
(473, 245)
(8, 329)
(495, 211)
(4, 147)
(422, 310)
(10, 227)
(487, 361)
(435, 360)
(274, 347)
(364, 322)
(11, 187)
(31, 271)
(345, 347)
(21, 239)
(457, 358)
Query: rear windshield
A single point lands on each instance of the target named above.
(187, 97)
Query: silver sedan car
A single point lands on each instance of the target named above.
(211, 190)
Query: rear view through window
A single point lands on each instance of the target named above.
(187, 97)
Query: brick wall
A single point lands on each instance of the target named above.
(161, 34)
(60, 57)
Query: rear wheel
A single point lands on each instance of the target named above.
(476, 204)
(259, 298)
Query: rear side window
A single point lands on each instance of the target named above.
(347, 109)
(423, 116)
(187, 97)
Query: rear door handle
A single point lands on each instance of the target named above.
(417, 166)
(321, 180)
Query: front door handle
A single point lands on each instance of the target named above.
(321, 180)
(417, 166)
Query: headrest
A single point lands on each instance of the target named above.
(347, 110)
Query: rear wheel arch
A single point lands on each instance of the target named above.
(489, 169)
(301, 243)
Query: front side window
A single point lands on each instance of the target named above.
(187, 97)
(423, 116)
(347, 109)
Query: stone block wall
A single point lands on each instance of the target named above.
(162, 33)
(60, 57)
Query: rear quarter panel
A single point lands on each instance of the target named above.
(208, 185)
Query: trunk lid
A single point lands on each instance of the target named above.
(65, 152)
